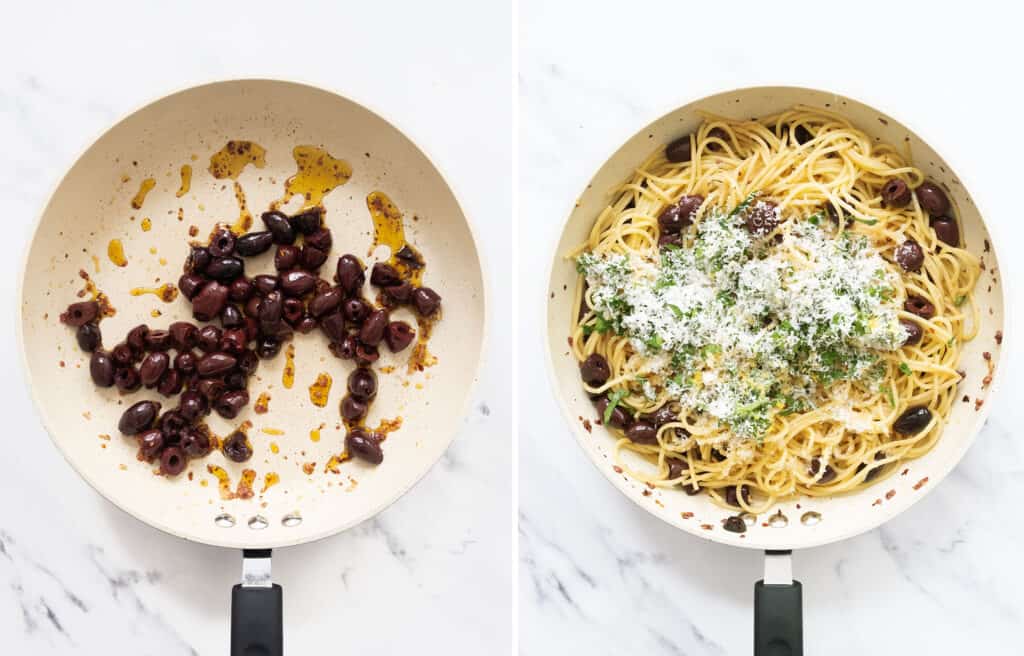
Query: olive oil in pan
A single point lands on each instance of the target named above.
(144, 189)
(115, 251)
(231, 160)
(166, 292)
(318, 174)
(186, 180)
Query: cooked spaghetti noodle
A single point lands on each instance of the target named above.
(836, 354)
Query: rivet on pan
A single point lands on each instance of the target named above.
(810, 518)
(258, 522)
(224, 520)
(778, 520)
(749, 518)
(291, 519)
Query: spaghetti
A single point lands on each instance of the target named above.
(773, 308)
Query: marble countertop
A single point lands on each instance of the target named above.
(599, 576)
(78, 576)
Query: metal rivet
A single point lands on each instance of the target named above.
(810, 518)
(778, 520)
(224, 520)
(291, 519)
(258, 522)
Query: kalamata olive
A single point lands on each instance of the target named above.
(297, 283)
(286, 257)
(252, 328)
(80, 313)
(151, 443)
(731, 497)
(356, 310)
(225, 269)
(183, 335)
(679, 150)
(271, 310)
(195, 441)
(913, 420)
(913, 331)
(264, 284)
(384, 275)
(192, 405)
(896, 193)
(127, 379)
(293, 310)
(676, 467)
(208, 338)
(231, 403)
(231, 316)
(827, 476)
(215, 364)
(211, 388)
(365, 355)
(153, 367)
(320, 239)
(373, 328)
(222, 244)
(919, 306)
(189, 284)
(674, 218)
(138, 417)
(346, 348)
(311, 258)
(136, 338)
(874, 471)
(802, 134)
(641, 432)
(279, 226)
(252, 307)
(234, 380)
(663, 415)
(233, 341)
(236, 447)
(88, 337)
(248, 361)
(932, 198)
(427, 301)
(595, 370)
(350, 274)
(172, 423)
(410, 257)
(353, 409)
(158, 340)
(692, 488)
(838, 217)
(101, 369)
(306, 325)
(333, 326)
(173, 461)
(306, 222)
(123, 355)
(619, 417)
(254, 243)
(362, 384)
(326, 302)
(365, 446)
(909, 255)
(399, 335)
(762, 217)
(198, 259)
(946, 230)
(210, 301)
(240, 289)
(267, 347)
(399, 294)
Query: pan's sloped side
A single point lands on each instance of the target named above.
(92, 206)
(842, 516)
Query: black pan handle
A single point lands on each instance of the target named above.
(256, 609)
(778, 609)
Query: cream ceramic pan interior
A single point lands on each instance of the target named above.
(841, 516)
(92, 206)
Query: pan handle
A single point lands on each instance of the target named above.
(778, 608)
(256, 617)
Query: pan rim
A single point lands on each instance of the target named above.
(155, 522)
(855, 529)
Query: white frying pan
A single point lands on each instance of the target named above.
(804, 522)
(92, 205)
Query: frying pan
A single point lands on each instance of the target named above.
(92, 206)
(802, 522)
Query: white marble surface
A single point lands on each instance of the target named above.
(435, 571)
(599, 576)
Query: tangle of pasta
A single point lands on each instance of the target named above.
(805, 161)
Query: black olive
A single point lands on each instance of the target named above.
(158, 340)
(674, 218)
(189, 284)
(225, 269)
(909, 255)
(896, 193)
(286, 257)
(619, 417)
(320, 239)
(913, 330)
(426, 300)
(101, 369)
(827, 476)
(80, 313)
(398, 335)
(279, 226)
(89, 337)
(365, 446)
(240, 289)
(208, 338)
(932, 198)
(198, 259)
(327, 301)
(912, 421)
(641, 432)
(356, 310)
(153, 367)
(297, 283)
(594, 370)
(352, 409)
(127, 379)
(254, 243)
(920, 306)
(210, 301)
(311, 258)
(192, 405)
(151, 443)
(136, 337)
(138, 417)
(679, 150)
(264, 284)
(350, 274)
(372, 330)
(306, 222)
(222, 244)
(731, 496)
(183, 335)
(231, 403)
(362, 384)
(236, 447)
(946, 231)
(195, 441)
